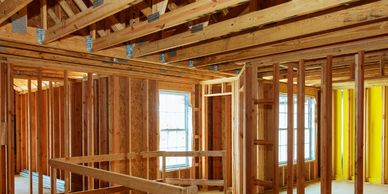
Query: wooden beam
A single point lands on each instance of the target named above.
(134, 183)
(9, 7)
(290, 129)
(39, 125)
(66, 128)
(168, 20)
(29, 138)
(43, 14)
(338, 36)
(86, 18)
(326, 131)
(276, 83)
(359, 84)
(90, 127)
(253, 19)
(10, 130)
(339, 19)
(113, 189)
(300, 175)
(251, 93)
(348, 48)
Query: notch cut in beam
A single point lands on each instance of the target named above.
(168, 20)
(10, 7)
(86, 18)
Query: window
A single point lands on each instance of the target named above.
(175, 127)
(309, 128)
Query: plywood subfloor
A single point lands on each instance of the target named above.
(345, 187)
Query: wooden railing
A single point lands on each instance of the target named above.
(167, 185)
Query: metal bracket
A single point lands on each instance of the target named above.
(213, 67)
(129, 50)
(89, 43)
(172, 53)
(237, 71)
(19, 23)
(191, 63)
(40, 35)
(196, 28)
(97, 3)
(162, 58)
(153, 17)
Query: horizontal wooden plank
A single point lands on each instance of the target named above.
(86, 18)
(339, 19)
(9, 7)
(185, 154)
(176, 181)
(132, 182)
(107, 190)
(343, 35)
(173, 18)
(253, 19)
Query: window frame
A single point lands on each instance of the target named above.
(187, 112)
(312, 128)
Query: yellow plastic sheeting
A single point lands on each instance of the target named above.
(342, 135)
(375, 134)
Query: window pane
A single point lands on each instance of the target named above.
(175, 127)
(309, 138)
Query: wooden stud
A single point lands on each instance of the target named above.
(66, 127)
(29, 138)
(38, 131)
(90, 131)
(290, 129)
(10, 128)
(300, 131)
(359, 81)
(43, 13)
(276, 83)
(250, 127)
(326, 131)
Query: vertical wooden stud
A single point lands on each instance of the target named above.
(359, 81)
(250, 117)
(90, 131)
(290, 129)
(38, 130)
(66, 126)
(29, 138)
(276, 83)
(300, 131)
(326, 131)
(10, 126)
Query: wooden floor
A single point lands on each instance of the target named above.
(343, 187)
(346, 187)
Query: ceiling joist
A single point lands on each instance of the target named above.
(173, 18)
(86, 18)
(9, 7)
(330, 21)
(253, 19)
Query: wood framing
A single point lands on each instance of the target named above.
(134, 183)
(39, 101)
(332, 20)
(276, 90)
(66, 124)
(253, 19)
(300, 174)
(326, 131)
(250, 114)
(9, 7)
(290, 129)
(86, 18)
(167, 20)
(359, 89)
